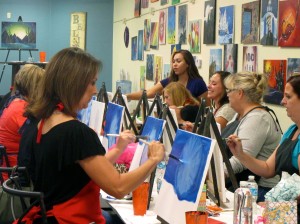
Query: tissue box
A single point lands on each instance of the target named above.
(284, 212)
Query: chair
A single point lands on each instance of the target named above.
(3, 157)
(12, 187)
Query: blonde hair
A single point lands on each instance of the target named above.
(253, 85)
(180, 95)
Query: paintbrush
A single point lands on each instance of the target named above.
(239, 139)
(136, 136)
(174, 157)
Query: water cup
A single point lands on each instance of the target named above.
(196, 217)
(140, 199)
(42, 56)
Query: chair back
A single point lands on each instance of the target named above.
(3, 157)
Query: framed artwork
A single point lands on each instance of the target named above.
(147, 30)
(158, 69)
(194, 36)
(289, 23)
(154, 35)
(150, 67)
(162, 26)
(230, 57)
(250, 23)
(142, 77)
(145, 4)
(140, 49)
(215, 61)
(250, 58)
(78, 30)
(182, 23)
(226, 25)
(184, 177)
(154, 0)
(137, 8)
(293, 66)
(167, 71)
(171, 24)
(174, 2)
(18, 35)
(269, 22)
(164, 2)
(209, 22)
(175, 47)
(134, 48)
(276, 74)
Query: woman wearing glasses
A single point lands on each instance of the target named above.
(254, 123)
(286, 155)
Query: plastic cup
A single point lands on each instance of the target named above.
(196, 217)
(140, 199)
(42, 56)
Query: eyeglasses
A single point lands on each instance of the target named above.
(230, 90)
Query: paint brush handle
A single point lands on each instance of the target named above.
(239, 139)
(136, 136)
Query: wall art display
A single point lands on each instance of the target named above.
(158, 69)
(175, 47)
(134, 48)
(137, 8)
(230, 57)
(142, 77)
(174, 2)
(184, 177)
(145, 4)
(78, 29)
(18, 35)
(194, 36)
(167, 71)
(289, 23)
(150, 67)
(250, 23)
(209, 22)
(162, 26)
(154, 0)
(269, 22)
(250, 58)
(171, 24)
(154, 35)
(215, 61)
(276, 73)
(182, 23)
(147, 31)
(164, 2)
(140, 53)
(226, 25)
(293, 66)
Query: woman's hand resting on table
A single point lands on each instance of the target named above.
(156, 151)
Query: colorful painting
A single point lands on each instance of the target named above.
(158, 69)
(154, 35)
(167, 71)
(140, 53)
(289, 23)
(145, 4)
(276, 73)
(194, 36)
(209, 22)
(137, 8)
(175, 47)
(226, 25)
(182, 24)
(174, 2)
(113, 123)
(215, 61)
(162, 26)
(164, 2)
(171, 24)
(142, 77)
(250, 23)
(230, 57)
(184, 177)
(134, 48)
(250, 58)
(293, 66)
(18, 35)
(150, 67)
(269, 22)
(147, 31)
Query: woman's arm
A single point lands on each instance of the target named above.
(157, 88)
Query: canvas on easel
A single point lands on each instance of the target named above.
(184, 177)
(96, 116)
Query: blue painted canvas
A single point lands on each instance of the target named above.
(226, 25)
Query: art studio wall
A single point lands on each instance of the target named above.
(52, 19)
(122, 55)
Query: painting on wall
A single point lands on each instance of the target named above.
(154, 35)
(175, 47)
(147, 30)
(164, 2)
(194, 35)
(215, 61)
(158, 69)
(137, 8)
(293, 66)
(134, 48)
(289, 23)
(184, 177)
(226, 25)
(140, 54)
(250, 23)
(18, 35)
(276, 73)
(167, 71)
(269, 22)
(145, 4)
(250, 58)
(209, 22)
(162, 26)
(230, 57)
(149, 67)
(174, 2)
(78, 29)
(142, 77)
(171, 24)
(182, 23)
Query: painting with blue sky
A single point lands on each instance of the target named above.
(226, 24)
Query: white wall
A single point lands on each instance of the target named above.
(122, 55)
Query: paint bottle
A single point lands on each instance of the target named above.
(160, 172)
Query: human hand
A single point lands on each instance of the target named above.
(156, 151)
(188, 126)
(235, 145)
(126, 137)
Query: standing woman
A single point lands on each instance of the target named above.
(68, 162)
(184, 71)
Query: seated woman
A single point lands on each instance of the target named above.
(252, 123)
